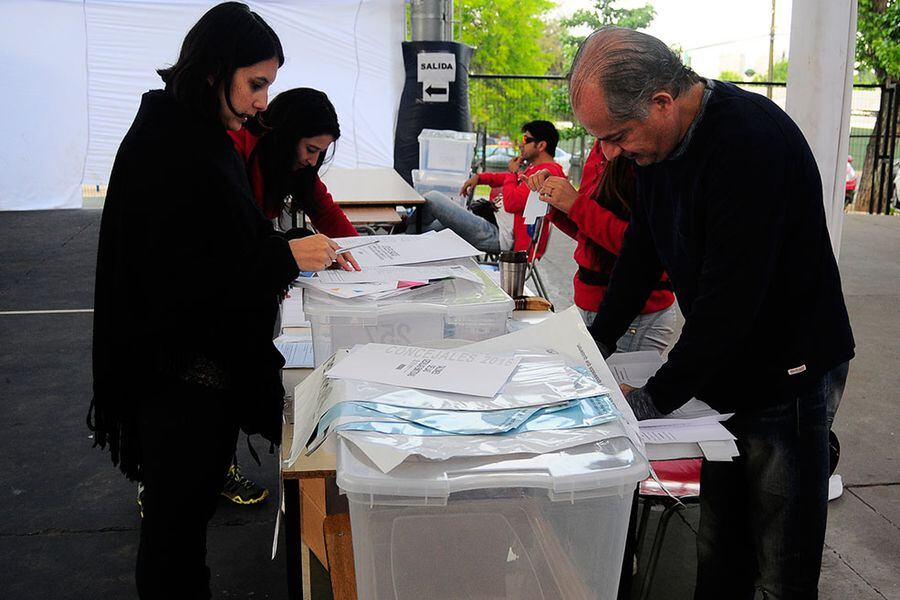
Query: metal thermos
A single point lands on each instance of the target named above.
(512, 272)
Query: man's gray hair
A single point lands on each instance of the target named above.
(630, 67)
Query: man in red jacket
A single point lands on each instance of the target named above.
(507, 230)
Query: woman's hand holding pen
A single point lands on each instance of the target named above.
(318, 252)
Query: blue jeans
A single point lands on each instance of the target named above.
(440, 212)
(762, 517)
(652, 331)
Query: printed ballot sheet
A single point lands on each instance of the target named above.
(535, 208)
(408, 249)
(292, 310)
(634, 368)
(456, 371)
(297, 354)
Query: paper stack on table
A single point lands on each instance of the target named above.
(292, 311)
(386, 264)
(297, 350)
(394, 401)
(693, 430)
(509, 400)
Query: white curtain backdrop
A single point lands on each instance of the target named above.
(80, 67)
(44, 104)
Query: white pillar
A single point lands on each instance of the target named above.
(819, 89)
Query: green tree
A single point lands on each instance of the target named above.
(603, 14)
(878, 49)
(865, 76)
(506, 34)
(779, 72)
(730, 76)
(509, 39)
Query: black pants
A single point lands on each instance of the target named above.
(188, 435)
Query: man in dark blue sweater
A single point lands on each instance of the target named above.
(730, 206)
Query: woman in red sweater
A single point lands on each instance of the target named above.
(596, 216)
(283, 160)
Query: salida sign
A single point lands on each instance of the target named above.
(435, 71)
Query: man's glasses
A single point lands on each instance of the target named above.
(527, 139)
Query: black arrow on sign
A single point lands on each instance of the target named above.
(431, 91)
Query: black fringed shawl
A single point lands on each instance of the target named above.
(188, 273)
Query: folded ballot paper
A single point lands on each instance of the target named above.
(556, 393)
(692, 430)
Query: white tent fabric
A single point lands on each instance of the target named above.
(98, 57)
(819, 89)
(44, 103)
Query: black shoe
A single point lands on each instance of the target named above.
(241, 490)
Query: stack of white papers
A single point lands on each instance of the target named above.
(394, 250)
(383, 272)
(292, 310)
(381, 282)
(693, 430)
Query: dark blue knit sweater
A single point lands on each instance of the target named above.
(737, 222)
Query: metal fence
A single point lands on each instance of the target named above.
(500, 104)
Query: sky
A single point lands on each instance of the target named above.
(715, 34)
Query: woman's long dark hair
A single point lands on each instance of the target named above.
(616, 189)
(229, 36)
(292, 115)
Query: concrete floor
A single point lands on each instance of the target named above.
(69, 525)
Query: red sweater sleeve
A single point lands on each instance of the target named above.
(494, 179)
(563, 223)
(326, 216)
(592, 170)
(598, 224)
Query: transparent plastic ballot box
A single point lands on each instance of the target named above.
(446, 183)
(446, 150)
(454, 309)
(516, 527)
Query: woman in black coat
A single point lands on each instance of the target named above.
(183, 316)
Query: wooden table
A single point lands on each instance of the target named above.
(317, 514)
(382, 187)
(369, 187)
(372, 217)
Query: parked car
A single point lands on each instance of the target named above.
(497, 158)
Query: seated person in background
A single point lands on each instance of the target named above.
(507, 230)
(596, 216)
(283, 158)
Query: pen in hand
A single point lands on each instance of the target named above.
(343, 250)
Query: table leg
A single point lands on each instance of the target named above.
(293, 552)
